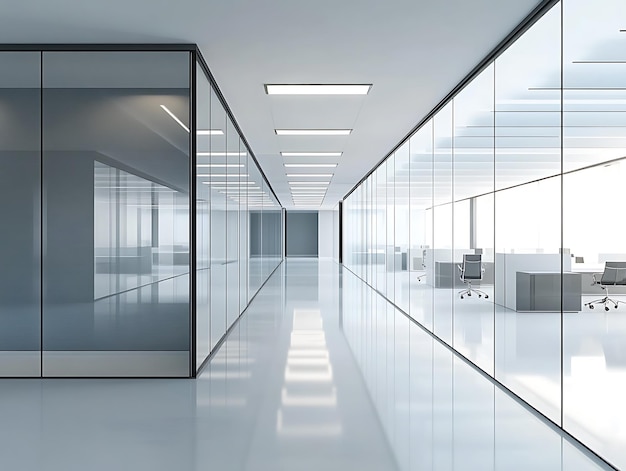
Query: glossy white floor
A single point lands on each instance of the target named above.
(320, 373)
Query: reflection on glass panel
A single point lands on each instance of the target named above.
(139, 231)
(473, 216)
(420, 253)
(381, 228)
(357, 251)
(220, 191)
(594, 146)
(366, 222)
(371, 228)
(336, 239)
(362, 227)
(373, 214)
(547, 228)
(444, 262)
(527, 217)
(203, 221)
(116, 212)
(244, 248)
(255, 207)
(264, 228)
(528, 105)
(390, 248)
(115, 244)
(350, 226)
(401, 231)
(231, 176)
(20, 213)
(274, 232)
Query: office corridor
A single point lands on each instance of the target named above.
(320, 373)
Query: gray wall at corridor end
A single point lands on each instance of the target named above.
(302, 234)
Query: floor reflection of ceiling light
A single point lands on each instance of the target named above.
(308, 382)
(313, 400)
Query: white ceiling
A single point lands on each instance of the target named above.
(412, 51)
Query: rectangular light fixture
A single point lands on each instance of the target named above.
(313, 132)
(310, 165)
(309, 188)
(309, 183)
(311, 154)
(317, 89)
(210, 132)
(174, 117)
(317, 189)
(310, 175)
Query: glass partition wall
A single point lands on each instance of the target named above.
(127, 197)
(521, 170)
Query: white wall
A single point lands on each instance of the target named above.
(326, 233)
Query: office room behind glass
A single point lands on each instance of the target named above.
(526, 169)
(96, 264)
(116, 213)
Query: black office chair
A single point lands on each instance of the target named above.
(471, 270)
(614, 275)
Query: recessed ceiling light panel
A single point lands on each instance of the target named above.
(317, 89)
(311, 154)
(310, 175)
(310, 165)
(313, 132)
(309, 188)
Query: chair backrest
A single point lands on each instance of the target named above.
(614, 273)
(472, 267)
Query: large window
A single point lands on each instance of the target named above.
(523, 170)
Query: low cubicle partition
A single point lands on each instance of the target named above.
(532, 282)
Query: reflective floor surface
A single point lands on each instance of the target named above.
(320, 373)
